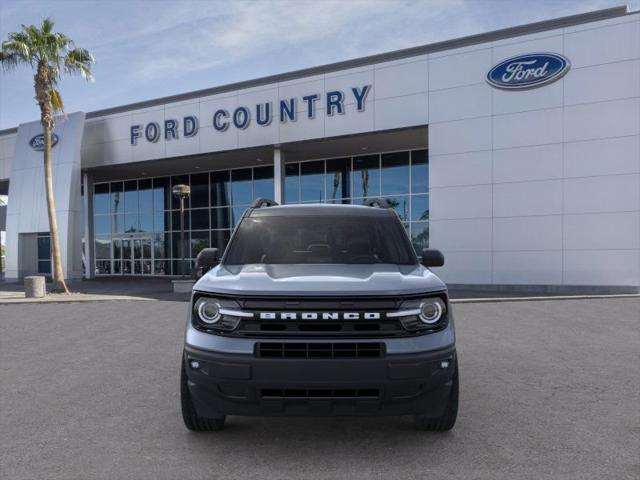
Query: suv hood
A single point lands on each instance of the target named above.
(319, 280)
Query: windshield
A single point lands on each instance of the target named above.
(320, 239)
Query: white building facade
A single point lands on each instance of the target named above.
(515, 152)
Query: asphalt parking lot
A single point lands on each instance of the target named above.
(549, 389)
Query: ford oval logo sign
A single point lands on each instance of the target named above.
(528, 71)
(37, 142)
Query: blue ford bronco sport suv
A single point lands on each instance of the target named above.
(319, 310)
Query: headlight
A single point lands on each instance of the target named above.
(431, 311)
(208, 310)
(422, 314)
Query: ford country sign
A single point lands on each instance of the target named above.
(528, 71)
(37, 142)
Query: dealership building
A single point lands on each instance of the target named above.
(515, 152)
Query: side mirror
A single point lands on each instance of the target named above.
(206, 260)
(432, 257)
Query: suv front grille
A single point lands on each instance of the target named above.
(320, 350)
(256, 327)
(308, 393)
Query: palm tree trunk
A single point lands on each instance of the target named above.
(59, 284)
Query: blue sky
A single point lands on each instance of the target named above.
(149, 49)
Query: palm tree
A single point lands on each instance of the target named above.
(50, 55)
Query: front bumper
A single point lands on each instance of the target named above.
(243, 384)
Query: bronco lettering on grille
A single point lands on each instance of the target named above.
(320, 316)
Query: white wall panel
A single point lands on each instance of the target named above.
(527, 268)
(466, 267)
(602, 82)
(549, 96)
(461, 235)
(539, 232)
(459, 103)
(303, 129)
(460, 202)
(399, 80)
(601, 120)
(527, 128)
(456, 70)
(527, 198)
(398, 112)
(547, 41)
(608, 156)
(603, 45)
(471, 168)
(599, 231)
(540, 162)
(345, 82)
(602, 267)
(460, 136)
(351, 122)
(615, 193)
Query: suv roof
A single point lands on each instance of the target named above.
(320, 209)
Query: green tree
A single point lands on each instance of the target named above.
(50, 54)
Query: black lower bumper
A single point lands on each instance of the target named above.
(234, 384)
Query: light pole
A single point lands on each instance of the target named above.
(182, 192)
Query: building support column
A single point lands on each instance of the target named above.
(278, 175)
(87, 222)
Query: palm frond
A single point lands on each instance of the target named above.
(56, 101)
(79, 61)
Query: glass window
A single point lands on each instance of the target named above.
(161, 194)
(199, 240)
(400, 205)
(102, 224)
(103, 247)
(395, 173)
(420, 236)
(160, 245)
(145, 195)
(117, 248)
(220, 218)
(236, 214)
(366, 176)
(175, 220)
(312, 181)
(292, 183)
(161, 221)
(131, 203)
(146, 222)
(200, 219)
(117, 223)
(117, 198)
(131, 222)
(241, 190)
(314, 239)
(220, 189)
(200, 190)
(420, 207)
(337, 179)
(219, 239)
(175, 245)
(101, 198)
(162, 267)
(103, 267)
(44, 247)
(179, 180)
(419, 171)
(44, 266)
(263, 182)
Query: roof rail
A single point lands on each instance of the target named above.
(263, 202)
(376, 202)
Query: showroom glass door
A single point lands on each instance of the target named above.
(132, 256)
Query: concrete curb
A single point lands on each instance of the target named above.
(548, 298)
(74, 299)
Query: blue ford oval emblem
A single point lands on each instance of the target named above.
(528, 71)
(37, 142)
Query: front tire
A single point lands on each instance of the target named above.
(448, 418)
(191, 419)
